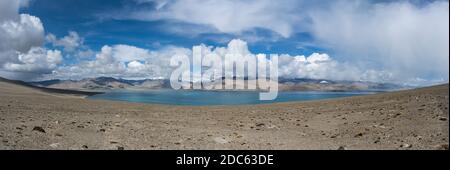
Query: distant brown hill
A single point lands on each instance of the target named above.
(48, 90)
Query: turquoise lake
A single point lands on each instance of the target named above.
(201, 98)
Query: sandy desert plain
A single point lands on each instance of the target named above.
(410, 119)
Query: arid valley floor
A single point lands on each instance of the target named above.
(411, 119)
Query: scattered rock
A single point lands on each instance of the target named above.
(405, 145)
(58, 134)
(220, 140)
(102, 130)
(443, 118)
(272, 127)
(39, 129)
(359, 135)
(260, 124)
(54, 145)
(120, 148)
(80, 126)
(85, 147)
(377, 141)
(443, 147)
(341, 148)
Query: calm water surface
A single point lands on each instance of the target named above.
(198, 98)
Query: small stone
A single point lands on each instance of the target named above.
(443, 118)
(405, 145)
(359, 135)
(85, 147)
(58, 134)
(120, 148)
(54, 145)
(260, 124)
(220, 140)
(39, 129)
(443, 147)
(102, 130)
(341, 148)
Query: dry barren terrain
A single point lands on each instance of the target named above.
(412, 119)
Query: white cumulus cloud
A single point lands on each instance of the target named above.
(21, 38)
(69, 42)
(407, 40)
(122, 61)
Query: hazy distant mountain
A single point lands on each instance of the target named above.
(304, 84)
(284, 84)
(102, 83)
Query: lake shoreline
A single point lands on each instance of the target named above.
(211, 98)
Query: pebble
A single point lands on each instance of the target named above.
(405, 145)
(444, 146)
(359, 135)
(220, 140)
(39, 129)
(54, 145)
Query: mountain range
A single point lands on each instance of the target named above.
(284, 84)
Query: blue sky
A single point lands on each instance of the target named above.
(88, 20)
(388, 41)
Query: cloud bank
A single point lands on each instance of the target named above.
(21, 38)
(124, 61)
(408, 40)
